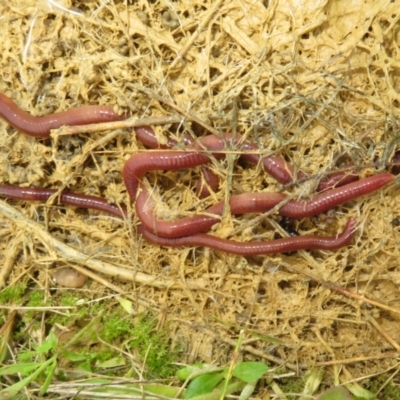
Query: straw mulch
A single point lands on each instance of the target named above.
(315, 82)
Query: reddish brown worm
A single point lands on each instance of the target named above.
(140, 163)
(306, 242)
(41, 126)
(249, 249)
(239, 204)
(276, 166)
(337, 179)
(254, 202)
(69, 198)
(215, 146)
(199, 154)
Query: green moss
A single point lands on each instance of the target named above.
(69, 299)
(292, 385)
(390, 390)
(153, 346)
(113, 325)
(12, 294)
(36, 299)
(116, 326)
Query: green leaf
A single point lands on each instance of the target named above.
(86, 366)
(203, 384)
(22, 368)
(164, 390)
(48, 344)
(49, 377)
(13, 390)
(268, 339)
(313, 381)
(108, 386)
(218, 393)
(118, 361)
(336, 393)
(185, 372)
(247, 391)
(360, 392)
(249, 371)
(74, 356)
(126, 305)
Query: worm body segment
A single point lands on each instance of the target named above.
(70, 198)
(285, 245)
(41, 126)
(255, 202)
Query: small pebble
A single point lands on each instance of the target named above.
(69, 277)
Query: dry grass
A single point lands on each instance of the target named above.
(314, 82)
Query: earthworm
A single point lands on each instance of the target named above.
(306, 242)
(240, 204)
(210, 184)
(276, 166)
(199, 154)
(249, 249)
(325, 201)
(73, 199)
(336, 179)
(147, 136)
(40, 126)
(254, 202)
(141, 163)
